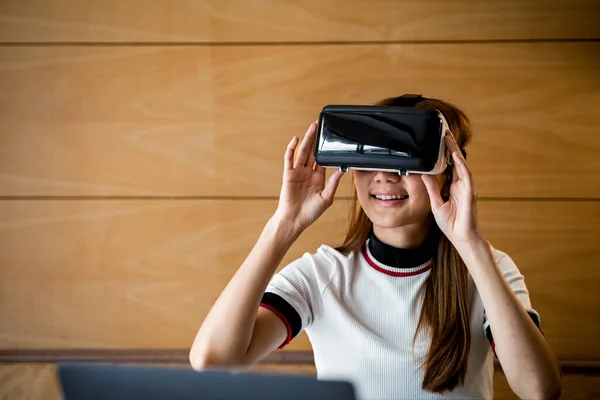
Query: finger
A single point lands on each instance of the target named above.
(451, 143)
(454, 173)
(321, 173)
(311, 157)
(288, 159)
(306, 146)
(332, 185)
(460, 168)
(433, 189)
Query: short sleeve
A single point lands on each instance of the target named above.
(295, 293)
(516, 281)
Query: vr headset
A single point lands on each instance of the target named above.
(397, 138)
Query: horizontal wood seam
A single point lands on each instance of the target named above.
(259, 198)
(180, 356)
(299, 43)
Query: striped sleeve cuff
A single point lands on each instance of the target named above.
(290, 317)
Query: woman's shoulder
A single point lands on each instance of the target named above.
(332, 255)
(324, 264)
(327, 258)
(505, 263)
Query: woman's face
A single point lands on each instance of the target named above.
(391, 200)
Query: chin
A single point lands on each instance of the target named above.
(390, 221)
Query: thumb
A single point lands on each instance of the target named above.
(433, 189)
(332, 185)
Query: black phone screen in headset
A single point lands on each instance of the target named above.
(378, 137)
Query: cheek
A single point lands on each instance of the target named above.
(419, 198)
(416, 187)
(361, 182)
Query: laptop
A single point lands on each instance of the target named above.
(101, 382)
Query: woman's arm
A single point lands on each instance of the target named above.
(229, 328)
(530, 367)
(528, 362)
(234, 333)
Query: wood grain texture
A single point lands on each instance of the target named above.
(291, 20)
(126, 274)
(145, 356)
(143, 274)
(214, 121)
(575, 387)
(29, 382)
(555, 245)
(39, 382)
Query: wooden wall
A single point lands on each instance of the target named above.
(141, 151)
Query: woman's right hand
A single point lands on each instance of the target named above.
(304, 196)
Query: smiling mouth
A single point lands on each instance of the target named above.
(389, 198)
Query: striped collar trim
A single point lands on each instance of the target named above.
(391, 271)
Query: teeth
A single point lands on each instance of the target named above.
(381, 197)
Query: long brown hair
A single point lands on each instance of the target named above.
(446, 305)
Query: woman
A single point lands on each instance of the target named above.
(412, 305)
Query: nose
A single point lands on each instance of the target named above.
(382, 176)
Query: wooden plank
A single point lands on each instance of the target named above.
(575, 387)
(214, 121)
(29, 382)
(143, 274)
(133, 268)
(285, 369)
(555, 246)
(305, 20)
(180, 358)
(136, 356)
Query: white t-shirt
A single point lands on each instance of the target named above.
(361, 315)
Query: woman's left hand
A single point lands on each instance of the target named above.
(457, 217)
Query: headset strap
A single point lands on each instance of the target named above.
(407, 100)
(410, 100)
